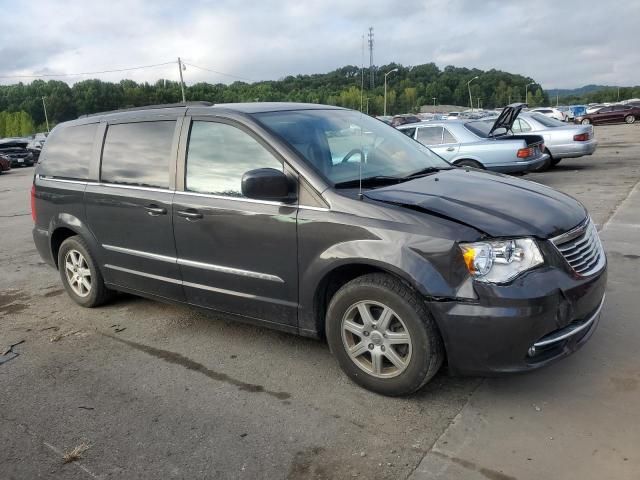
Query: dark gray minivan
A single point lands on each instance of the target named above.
(324, 222)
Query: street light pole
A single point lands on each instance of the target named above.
(385, 90)
(46, 118)
(526, 93)
(469, 88)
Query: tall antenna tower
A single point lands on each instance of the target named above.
(371, 72)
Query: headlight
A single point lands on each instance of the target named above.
(499, 261)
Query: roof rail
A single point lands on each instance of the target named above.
(151, 107)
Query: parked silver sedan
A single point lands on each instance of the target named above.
(560, 140)
(481, 143)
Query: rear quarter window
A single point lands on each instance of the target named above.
(67, 152)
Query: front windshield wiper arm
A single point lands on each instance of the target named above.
(368, 181)
(425, 171)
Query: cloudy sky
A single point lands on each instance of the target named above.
(559, 43)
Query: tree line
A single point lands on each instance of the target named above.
(16, 124)
(408, 89)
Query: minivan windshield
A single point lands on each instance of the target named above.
(344, 144)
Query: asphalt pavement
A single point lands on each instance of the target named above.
(163, 391)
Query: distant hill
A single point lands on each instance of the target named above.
(577, 92)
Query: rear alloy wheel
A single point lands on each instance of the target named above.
(383, 336)
(80, 274)
(585, 121)
(630, 119)
(469, 163)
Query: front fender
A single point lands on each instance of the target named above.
(431, 263)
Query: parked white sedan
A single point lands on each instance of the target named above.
(551, 113)
(560, 139)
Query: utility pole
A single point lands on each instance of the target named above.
(46, 118)
(478, 103)
(618, 94)
(368, 105)
(371, 72)
(180, 68)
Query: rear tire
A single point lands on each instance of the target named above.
(383, 336)
(555, 161)
(546, 165)
(80, 274)
(470, 163)
(630, 119)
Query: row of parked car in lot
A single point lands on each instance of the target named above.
(514, 141)
(20, 152)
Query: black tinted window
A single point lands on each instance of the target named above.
(138, 153)
(218, 156)
(68, 152)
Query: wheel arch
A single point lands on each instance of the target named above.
(339, 275)
(65, 226)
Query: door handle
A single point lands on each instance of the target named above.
(451, 149)
(155, 210)
(190, 214)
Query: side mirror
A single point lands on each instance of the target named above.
(267, 184)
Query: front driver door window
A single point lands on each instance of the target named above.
(236, 254)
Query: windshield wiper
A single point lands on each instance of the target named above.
(368, 181)
(425, 171)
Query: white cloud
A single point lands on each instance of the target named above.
(560, 44)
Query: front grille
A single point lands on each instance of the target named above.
(581, 248)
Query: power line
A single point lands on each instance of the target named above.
(218, 72)
(88, 73)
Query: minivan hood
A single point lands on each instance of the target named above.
(497, 205)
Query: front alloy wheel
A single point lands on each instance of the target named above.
(376, 339)
(383, 335)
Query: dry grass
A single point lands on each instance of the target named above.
(75, 454)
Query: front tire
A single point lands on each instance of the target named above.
(80, 274)
(585, 121)
(630, 119)
(383, 336)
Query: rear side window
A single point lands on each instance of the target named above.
(218, 156)
(138, 154)
(430, 135)
(68, 152)
(447, 137)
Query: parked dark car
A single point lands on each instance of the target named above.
(404, 119)
(5, 164)
(610, 114)
(17, 153)
(323, 222)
